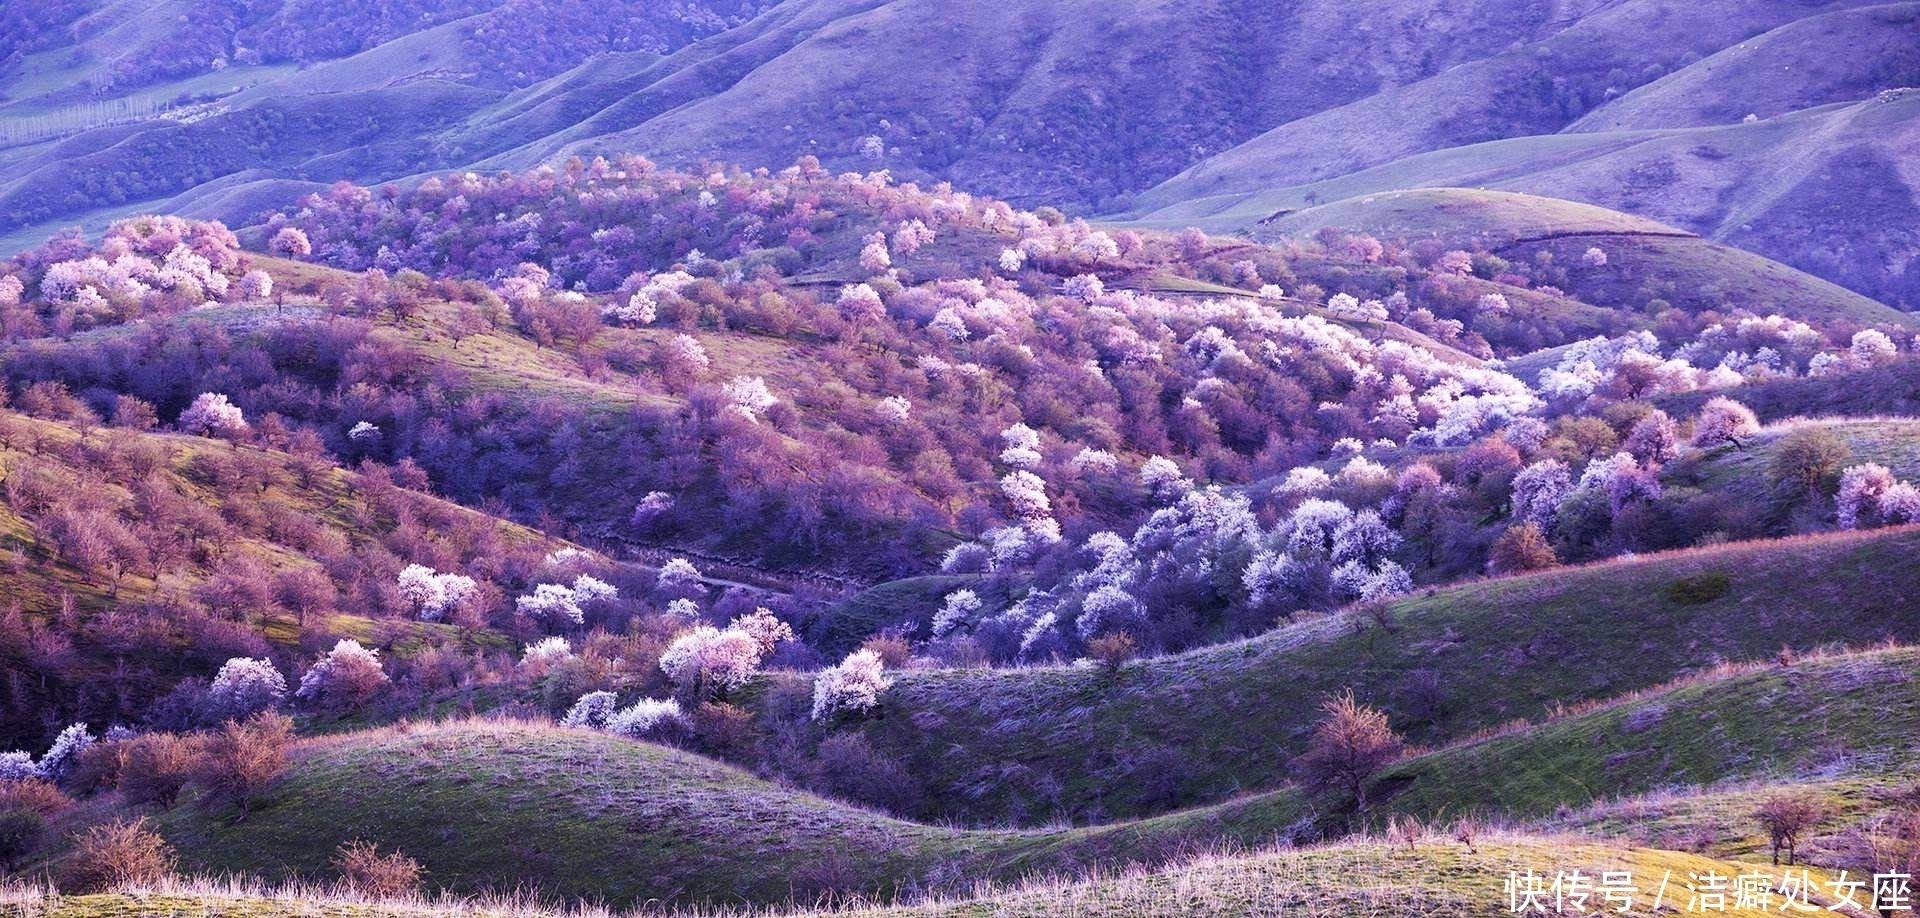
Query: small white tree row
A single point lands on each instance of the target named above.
(58, 762)
(559, 604)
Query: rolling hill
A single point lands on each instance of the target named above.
(141, 558)
(1242, 101)
(1037, 546)
(502, 805)
(1645, 260)
(1820, 189)
(1176, 730)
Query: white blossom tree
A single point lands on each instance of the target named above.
(348, 676)
(64, 755)
(854, 686)
(709, 661)
(245, 687)
(546, 653)
(644, 718)
(678, 579)
(255, 286)
(553, 604)
(874, 257)
(1861, 489)
(893, 410)
(1723, 420)
(764, 627)
(1163, 479)
(1871, 348)
(1027, 493)
(212, 414)
(290, 241)
(959, 611)
(749, 396)
(592, 711)
(1538, 491)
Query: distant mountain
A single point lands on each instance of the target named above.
(1160, 111)
(1818, 177)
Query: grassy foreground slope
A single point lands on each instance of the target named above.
(504, 805)
(1432, 877)
(1035, 743)
(489, 805)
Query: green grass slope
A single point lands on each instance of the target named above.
(574, 813)
(1794, 721)
(497, 805)
(1432, 876)
(1655, 767)
(1891, 389)
(1718, 820)
(1742, 475)
(1029, 744)
(1529, 90)
(1491, 218)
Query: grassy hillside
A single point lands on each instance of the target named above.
(1506, 95)
(1808, 720)
(1718, 820)
(500, 804)
(1432, 876)
(908, 603)
(1035, 112)
(1890, 390)
(150, 102)
(1493, 219)
(575, 813)
(1838, 56)
(121, 542)
(1027, 744)
(1742, 475)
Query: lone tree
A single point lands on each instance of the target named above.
(1807, 457)
(1723, 420)
(244, 758)
(1521, 548)
(1786, 817)
(1349, 746)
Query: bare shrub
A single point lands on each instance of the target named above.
(724, 730)
(364, 870)
(894, 650)
(848, 766)
(35, 794)
(118, 854)
(1349, 746)
(1786, 817)
(155, 766)
(21, 831)
(244, 758)
(1112, 651)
